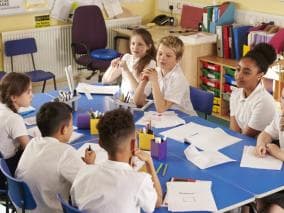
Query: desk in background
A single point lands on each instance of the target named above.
(191, 51)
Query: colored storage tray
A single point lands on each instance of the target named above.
(210, 74)
(211, 66)
(216, 108)
(228, 88)
(210, 82)
(217, 100)
(215, 91)
(230, 80)
(230, 71)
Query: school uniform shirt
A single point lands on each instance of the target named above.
(273, 129)
(12, 125)
(256, 111)
(113, 187)
(48, 167)
(125, 88)
(175, 88)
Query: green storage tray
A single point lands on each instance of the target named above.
(210, 74)
(230, 71)
(210, 89)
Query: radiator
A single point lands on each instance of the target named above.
(54, 46)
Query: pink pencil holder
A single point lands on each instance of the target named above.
(83, 121)
(158, 150)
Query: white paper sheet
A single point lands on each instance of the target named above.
(118, 103)
(102, 156)
(250, 160)
(35, 132)
(30, 121)
(205, 159)
(213, 140)
(160, 120)
(190, 196)
(186, 131)
(61, 10)
(26, 110)
(112, 7)
(94, 89)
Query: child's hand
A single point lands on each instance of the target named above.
(90, 156)
(123, 65)
(115, 62)
(143, 156)
(260, 150)
(273, 150)
(150, 74)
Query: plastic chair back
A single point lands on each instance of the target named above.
(67, 208)
(201, 100)
(18, 191)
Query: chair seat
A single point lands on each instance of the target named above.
(104, 54)
(39, 75)
(93, 64)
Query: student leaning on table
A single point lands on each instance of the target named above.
(16, 92)
(113, 186)
(274, 131)
(170, 88)
(131, 65)
(49, 165)
(251, 106)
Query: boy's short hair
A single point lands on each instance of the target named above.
(114, 127)
(173, 43)
(51, 116)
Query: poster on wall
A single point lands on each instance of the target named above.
(11, 7)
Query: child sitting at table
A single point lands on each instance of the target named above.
(264, 146)
(170, 88)
(130, 66)
(251, 106)
(113, 186)
(49, 165)
(16, 92)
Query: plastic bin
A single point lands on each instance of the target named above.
(217, 100)
(216, 108)
(230, 80)
(226, 96)
(211, 74)
(210, 82)
(215, 91)
(230, 71)
(211, 66)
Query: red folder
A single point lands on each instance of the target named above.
(191, 16)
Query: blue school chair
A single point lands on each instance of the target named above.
(201, 100)
(18, 191)
(4, 194)
(67, 208)
(89, 40)
(28, 46)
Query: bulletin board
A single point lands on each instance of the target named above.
(12, 7)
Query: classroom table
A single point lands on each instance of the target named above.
(232, 186)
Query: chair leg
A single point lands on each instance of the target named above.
(54, 83)
(43, 87)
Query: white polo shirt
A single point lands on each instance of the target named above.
(49, 167)
(273, 129)
(113, 187)
(256, 111)
(110, 75)
(12, 125)
(175, 88)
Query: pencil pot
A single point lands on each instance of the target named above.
(145, 141)
(159, 150)
(83, 121)
(93, 126)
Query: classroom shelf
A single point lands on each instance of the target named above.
(221, 72)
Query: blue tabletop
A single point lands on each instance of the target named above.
(232, 186)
